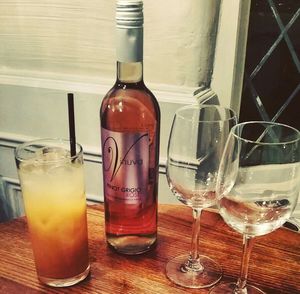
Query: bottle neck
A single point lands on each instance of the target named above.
(129, 72)
(130, 54)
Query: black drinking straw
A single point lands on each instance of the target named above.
(71, 124)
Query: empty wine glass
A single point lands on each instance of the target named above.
(258, 186)
(197, 139)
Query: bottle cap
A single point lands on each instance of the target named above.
(129, 14)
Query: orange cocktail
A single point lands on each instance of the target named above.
(54, 197)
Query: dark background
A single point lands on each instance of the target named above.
(279, 77)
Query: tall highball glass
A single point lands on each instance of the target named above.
(53, 189)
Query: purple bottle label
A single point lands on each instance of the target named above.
(125, 159)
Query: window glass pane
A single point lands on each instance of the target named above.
(272, 70)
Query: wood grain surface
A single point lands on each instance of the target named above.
(274, 266)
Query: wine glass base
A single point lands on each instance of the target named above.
(206, 277)
(230, 288)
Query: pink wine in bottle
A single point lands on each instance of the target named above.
(130, 125)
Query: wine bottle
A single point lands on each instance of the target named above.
(130, 126)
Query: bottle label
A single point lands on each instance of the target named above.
(125, 159)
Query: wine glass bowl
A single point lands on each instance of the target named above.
(196, 144)
(195, 148)
(258, 185)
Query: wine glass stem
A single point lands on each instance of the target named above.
(247, 248)
(194, 262)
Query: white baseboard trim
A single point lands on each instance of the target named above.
(15, 183)
(90, 85)
(90, 153)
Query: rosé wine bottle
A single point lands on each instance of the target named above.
(130, 125)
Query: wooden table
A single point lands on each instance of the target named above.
(274, 266)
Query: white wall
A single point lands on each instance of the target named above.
(50, 48)
(78, 38)
(29, 112)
